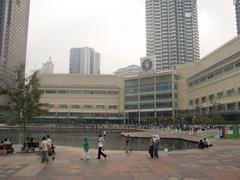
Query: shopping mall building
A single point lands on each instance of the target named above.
(212, 81)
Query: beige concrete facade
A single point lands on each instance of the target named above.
(213, 80)
(88, 96)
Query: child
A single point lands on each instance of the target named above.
(85, 149)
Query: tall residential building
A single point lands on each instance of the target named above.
(14, 16)
(172, 32)
(47, 67)
(84, 61)
(237, 7)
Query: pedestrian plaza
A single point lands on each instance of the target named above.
(218, 162)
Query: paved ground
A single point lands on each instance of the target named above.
(220, 162)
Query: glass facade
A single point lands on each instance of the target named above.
(13, 38)
(148, 95)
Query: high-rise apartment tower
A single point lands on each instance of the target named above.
(237, 7)
(14, 16)
(172, 32)
(84, 61)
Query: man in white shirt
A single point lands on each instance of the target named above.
(100, 147)
(44, 146)
(51, 149)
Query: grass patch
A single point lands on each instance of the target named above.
(231, 136)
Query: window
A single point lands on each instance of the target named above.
(146, 97)
(100, 92)
(202, 79)
(164, 104)
(211, 97)
(230, 92)
(76, 92)
(51, 106)
(131, 98)
(229, 67)
(113, 92)
(197, 101)
(112, 107)
(219, 71)
(210, 76)
(51, 91)
(87, 106)
(62, 106)
(131, 106)
(239, 90)
(63, 91)
(88, 92)
(237, 65)
(191, 102)
(220, 95)
(62, 114)
(204, 99)
(100, 106)
(75, 106)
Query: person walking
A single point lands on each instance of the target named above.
(100, 147)
(51, 147)
(127, 140)
(85, 149)
(151, 145)
(44, 146)
(156, 145)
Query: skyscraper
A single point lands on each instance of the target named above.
(172, 32)
(84, 61)
(14, 16)
(237, 7)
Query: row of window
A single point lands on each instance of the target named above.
(75, 106)
(86, 92)
(215, 73)
(78, 114)
(167, 104)
(165, 86)
(148, 97)
(212, 97)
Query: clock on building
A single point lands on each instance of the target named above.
(147, 64)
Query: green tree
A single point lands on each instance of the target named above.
(217, 119)
(25, 97)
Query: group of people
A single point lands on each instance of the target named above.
(7, 145)
(47, 149)
(29, 145)
(154, 146)
(6, 141)
(204, 143)
(101, 141)
(153, 149)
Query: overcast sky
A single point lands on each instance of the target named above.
(114, 28)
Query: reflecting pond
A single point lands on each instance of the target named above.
(74, 137)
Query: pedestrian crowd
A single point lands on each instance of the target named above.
(47, 149)
(7, 145)
(204, 143)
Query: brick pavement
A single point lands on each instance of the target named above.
(217, 163)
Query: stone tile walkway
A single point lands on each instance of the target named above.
(221, 162)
